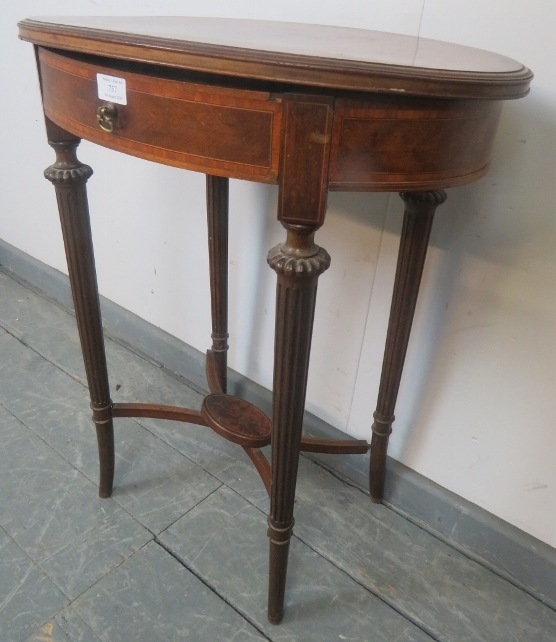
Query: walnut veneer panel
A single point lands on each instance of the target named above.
(389, 144)
(378, 142)
(199, 127)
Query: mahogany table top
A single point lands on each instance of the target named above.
(325, 56)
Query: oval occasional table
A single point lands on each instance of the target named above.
(307, 107)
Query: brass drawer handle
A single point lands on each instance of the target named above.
(106, 115)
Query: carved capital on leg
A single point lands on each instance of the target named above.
(67, 171)
(418, 202)
(299, 257)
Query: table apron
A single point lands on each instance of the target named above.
(378, 142)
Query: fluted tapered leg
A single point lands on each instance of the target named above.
(217, 217)
(419, 213)
(69, 177)
(298, 264)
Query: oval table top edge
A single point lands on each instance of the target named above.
(298, 69)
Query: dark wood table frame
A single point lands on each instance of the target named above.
(324, 124)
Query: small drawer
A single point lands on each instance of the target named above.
(211, 129)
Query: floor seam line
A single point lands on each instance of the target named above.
(35, 564)
(433, 635)
(132, 418)
(421, 626)
(118, 340)
(190, 509)
(37, 352)
(469, 555)
(438, 536)
(111, 571)
(223, 483)
(243, 615)
(38, 436)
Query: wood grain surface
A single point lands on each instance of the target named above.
(197, 127)
(375, 142)
(315, 55)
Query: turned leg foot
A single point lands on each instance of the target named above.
(69, 177)
(298, 264)
(217, 219)
(105, 440)
(278, 567)
(418, 217)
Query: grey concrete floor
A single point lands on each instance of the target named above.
(180, 550)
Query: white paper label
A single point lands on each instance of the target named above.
(111, 89)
